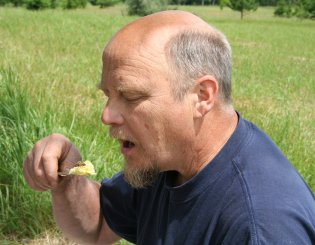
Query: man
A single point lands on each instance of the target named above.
(195, 171)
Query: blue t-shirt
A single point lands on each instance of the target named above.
(248, 194)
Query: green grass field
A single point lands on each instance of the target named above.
(50, 63)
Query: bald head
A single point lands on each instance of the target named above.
(157, 27)
(184, 42)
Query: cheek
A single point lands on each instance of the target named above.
(145, 127)
(158, 128)
(152, 132)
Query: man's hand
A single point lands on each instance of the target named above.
(49, 156)
(75, 199)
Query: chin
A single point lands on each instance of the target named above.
(140, 176)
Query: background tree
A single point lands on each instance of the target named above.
(268, 2)
(310, 8)
(106, 3)
(191, 2)
(4, 2)
(299, 8)
(17, 3)
(145, 7)
(240, 5)
(37, 4)
(73, 4)
(284, 8)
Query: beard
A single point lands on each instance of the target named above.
(139, 177)
(145, 173)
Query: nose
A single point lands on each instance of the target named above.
(111, 115)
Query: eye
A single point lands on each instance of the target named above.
(132, 97)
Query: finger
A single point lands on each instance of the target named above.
(56, 148)
(26, 166)
(38, 171)
(29, 178)
(38, 175)
(50, 167)
(67, 154)
(70, 158)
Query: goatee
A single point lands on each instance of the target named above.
(140, 178)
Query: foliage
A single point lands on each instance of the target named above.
(216, 2)
(191, 2)
(54, 4)
(93, 2)
(16, 3)
(73, 4)
(106, 3)
(283, 9)
(4, 2)
(136, 7)
(305, 9)
(43, 4)
(37, 4)
(240, 5)
(268, 2)
(299, 8)
(145, 7)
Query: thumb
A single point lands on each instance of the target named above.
(69, 158)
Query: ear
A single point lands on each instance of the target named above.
(206, 89)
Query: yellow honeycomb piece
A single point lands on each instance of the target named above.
(83, 168)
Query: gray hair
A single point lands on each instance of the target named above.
(194, 53)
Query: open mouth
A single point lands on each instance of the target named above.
(127, 147)
(127, 144)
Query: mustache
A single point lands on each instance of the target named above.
(120, 134)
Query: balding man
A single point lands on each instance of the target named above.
(195, 171)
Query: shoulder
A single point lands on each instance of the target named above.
(280, 207)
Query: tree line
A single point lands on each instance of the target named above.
(284, 8)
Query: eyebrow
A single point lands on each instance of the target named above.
(130, 89)
(126, 89)
(128, 83)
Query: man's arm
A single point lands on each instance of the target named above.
(76, 202)
(76, 208)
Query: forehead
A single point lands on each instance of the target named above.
(138, 68)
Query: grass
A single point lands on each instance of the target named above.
(20, 126)
(50, 62)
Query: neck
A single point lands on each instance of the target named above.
(213, 134)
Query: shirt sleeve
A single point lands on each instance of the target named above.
(118, 205)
